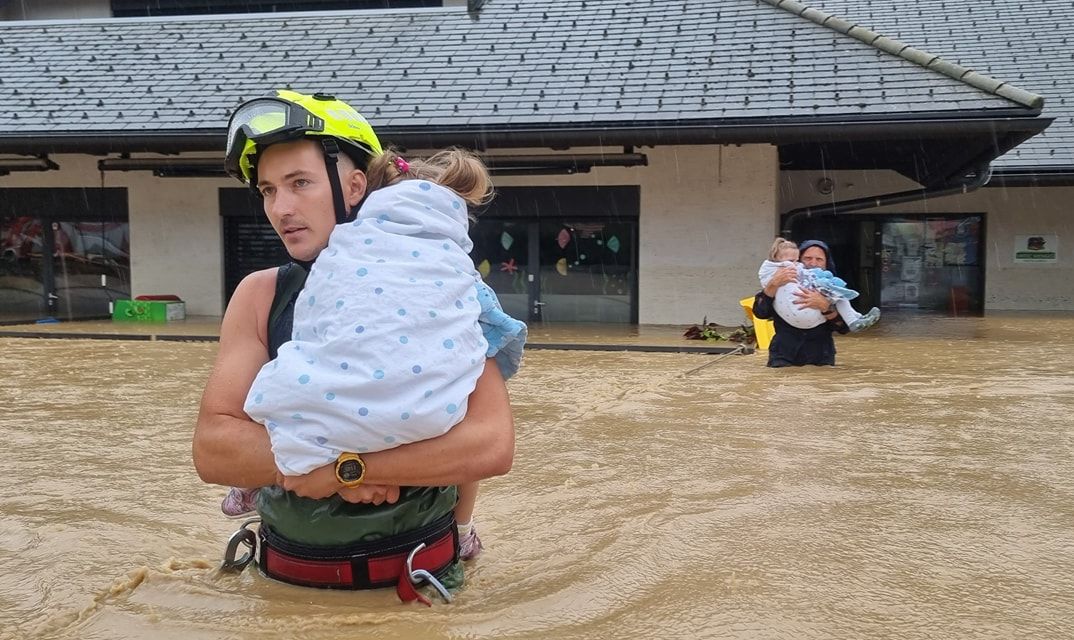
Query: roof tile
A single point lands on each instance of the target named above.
(595, 62)
(1025, 42)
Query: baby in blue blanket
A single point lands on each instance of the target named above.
(784, 253)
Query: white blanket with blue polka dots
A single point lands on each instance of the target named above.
(386, 345)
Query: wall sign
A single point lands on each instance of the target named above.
(1041, 248)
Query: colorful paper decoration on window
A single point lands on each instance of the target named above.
(613, 244)
(509, 266)
(484, 268)
(506, 240)
(564, 238)
(561, 266)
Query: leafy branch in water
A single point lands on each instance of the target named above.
(713, 332)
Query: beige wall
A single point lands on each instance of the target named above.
(707, 217)
(175, 228)
(708, 214)
(1008, 212)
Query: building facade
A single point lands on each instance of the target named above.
(642, 170)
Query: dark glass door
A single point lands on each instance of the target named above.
(64, 253)
(91, 266)
(586, 271)
(560, 270)
(929, 264)
(502, 256)
(22, 288)
(932, 265)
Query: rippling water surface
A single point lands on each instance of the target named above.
(922, 489)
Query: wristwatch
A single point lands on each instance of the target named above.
(350, 470)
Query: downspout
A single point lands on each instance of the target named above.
(969, 182)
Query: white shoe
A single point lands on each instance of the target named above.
(865, 321)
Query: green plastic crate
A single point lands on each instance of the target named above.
(148, 311)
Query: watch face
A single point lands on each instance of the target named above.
(350, 470)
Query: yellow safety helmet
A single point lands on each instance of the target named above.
(288, 116)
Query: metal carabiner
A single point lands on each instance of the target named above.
(417, 576)
(244, 536)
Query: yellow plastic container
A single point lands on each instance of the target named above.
(763, 329)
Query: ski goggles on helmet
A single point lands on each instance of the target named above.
(262, 122)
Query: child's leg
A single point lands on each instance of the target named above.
(856, 321)
(464, 508)
(846, 311)
(469, 544)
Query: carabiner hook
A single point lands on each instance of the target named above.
(233, 564)
(417, 576)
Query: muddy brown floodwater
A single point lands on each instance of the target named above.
(921, 489)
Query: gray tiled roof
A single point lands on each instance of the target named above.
(1029, 43)
(526, 63)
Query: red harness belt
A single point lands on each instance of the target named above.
(366, 569)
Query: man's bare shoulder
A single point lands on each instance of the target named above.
(256, 284)
(250, 303)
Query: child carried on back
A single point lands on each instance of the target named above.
(391, 330)
(784, 253)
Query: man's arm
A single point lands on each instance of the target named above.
(479, 447)
(762, 306)
(229, 448)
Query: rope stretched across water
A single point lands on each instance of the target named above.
(737, 350)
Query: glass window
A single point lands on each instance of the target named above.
(932, 265)
(585, 272)
(501, 255)
(22, 293)
(64, 252)
(92, 266)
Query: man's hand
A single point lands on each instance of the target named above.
(782, 276)
(811, 298)
(317, 484)
(371, 493)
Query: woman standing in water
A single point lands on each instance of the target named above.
(797, 347)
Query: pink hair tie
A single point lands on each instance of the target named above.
(402, 165)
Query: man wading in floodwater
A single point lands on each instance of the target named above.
(347, 524)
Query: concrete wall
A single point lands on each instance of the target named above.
(55, 9)
(708, 214)
(1008, 212)
(175, 228)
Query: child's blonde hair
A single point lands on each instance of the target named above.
(779, 245)
(454, 168)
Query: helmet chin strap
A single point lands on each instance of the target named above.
(331, 158)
